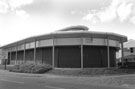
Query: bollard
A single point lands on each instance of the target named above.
(5, 64)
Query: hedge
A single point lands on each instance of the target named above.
(31, 68)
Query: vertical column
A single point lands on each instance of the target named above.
(35, 51)
(122, 53)
(10, 54)
(81, 52)
(16, 53)
(24, 52)
(53, 52)
(108, 52)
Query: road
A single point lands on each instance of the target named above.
(10, 80)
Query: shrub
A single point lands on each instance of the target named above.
(129, 65)
(31, 68)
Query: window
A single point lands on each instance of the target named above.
(131, 50)
(89, 40)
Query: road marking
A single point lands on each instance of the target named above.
(11, 81)
(54, 87)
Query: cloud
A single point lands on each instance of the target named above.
(7, 6)
(133, 19)
(118, 9)
(14, 4)
(124, 11)
(23, 14)
(106, 15)
(3, 7)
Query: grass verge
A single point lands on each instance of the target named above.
(92, 71)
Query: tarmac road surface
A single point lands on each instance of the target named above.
(27, 81)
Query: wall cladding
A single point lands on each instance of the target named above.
(47, 55)
(97, 56)
(44, 55)
(29, 56)
(100, 42)
(92, 57)
(39, 55)
(43, 43)
(67, 57)
(13, 56)
(20, 55)
(66, 42)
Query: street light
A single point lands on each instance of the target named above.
(5, 62)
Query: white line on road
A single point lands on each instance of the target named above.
(54, 87)
(11, 81)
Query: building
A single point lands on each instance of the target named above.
(71, 47)
(129, 51)
(2, 56)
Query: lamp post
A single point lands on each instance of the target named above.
(5, 62)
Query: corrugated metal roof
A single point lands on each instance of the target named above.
(68, 34)
(75, 28)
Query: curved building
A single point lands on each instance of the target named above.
(72, 47)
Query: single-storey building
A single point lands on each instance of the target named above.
(129, 51)
(71, 47)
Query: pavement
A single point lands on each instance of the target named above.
(11, 80)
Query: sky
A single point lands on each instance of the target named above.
(21, 19)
